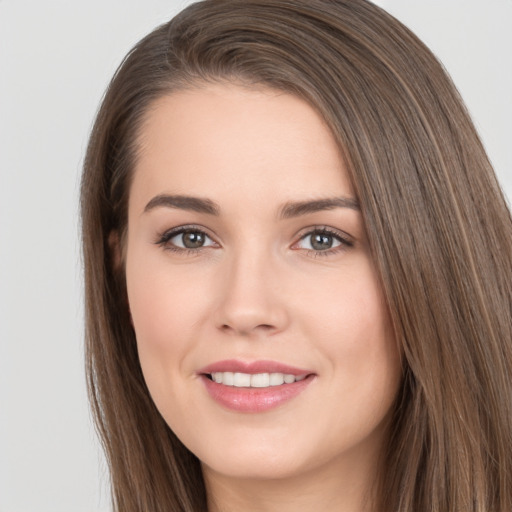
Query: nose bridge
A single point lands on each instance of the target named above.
(250, 299)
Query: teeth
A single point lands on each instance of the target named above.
(256, 380)
(288, 379)
(260, 380)
(241, 380)
(228, 379)
(276, 379)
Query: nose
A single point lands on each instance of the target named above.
(253, 299)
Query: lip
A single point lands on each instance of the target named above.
(254, 400)
(235, 365)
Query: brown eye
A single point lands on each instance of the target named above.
(192, 239)
(185, 238)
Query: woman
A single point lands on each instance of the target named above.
(298, 272)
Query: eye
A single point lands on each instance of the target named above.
(323, 240)
(190, 239)
(185, 238)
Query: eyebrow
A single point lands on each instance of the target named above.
(296, 209)
(194, 204)
(287, 211)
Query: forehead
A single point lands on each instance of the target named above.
(228, 139)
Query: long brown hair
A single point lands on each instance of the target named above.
(438, 226)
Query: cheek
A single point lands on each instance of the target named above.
(350, 312)
(162, 297)
(352, 325)
(373, 344)
(165, 307)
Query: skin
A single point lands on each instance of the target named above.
(259, 290)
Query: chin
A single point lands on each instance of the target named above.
(263, 458)
(277, 467)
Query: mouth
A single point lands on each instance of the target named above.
(254, 387)
(254, 380)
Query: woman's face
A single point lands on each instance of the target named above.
(262, 332)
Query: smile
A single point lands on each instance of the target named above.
(257, 380)
(254, 387)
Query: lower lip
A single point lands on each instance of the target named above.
(254, 399)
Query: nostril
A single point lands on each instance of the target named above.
(246, 331)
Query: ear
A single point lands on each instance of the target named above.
(114, 244)
(117, 258)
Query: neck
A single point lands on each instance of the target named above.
(322, 490)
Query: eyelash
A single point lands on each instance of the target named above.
(345, 241)
(164, 238)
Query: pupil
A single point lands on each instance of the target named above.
(321, 242)
(193, 239)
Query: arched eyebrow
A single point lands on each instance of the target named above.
(287, 211)
(182, 202)
(298, 208)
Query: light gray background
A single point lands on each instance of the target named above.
(56, 58)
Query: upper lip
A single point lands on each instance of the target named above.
(253, 367)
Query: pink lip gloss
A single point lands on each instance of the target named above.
(242, 397)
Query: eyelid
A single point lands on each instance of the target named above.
(346, 241)
(163, 238)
